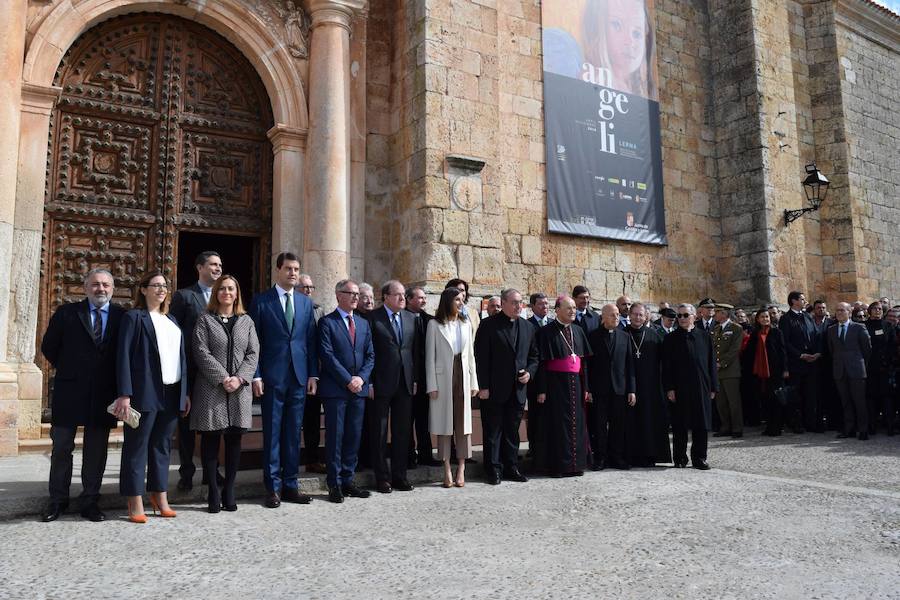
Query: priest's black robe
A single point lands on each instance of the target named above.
(563, 426)
(649, 418)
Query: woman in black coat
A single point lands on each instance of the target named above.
(152, 379)
(764, 361)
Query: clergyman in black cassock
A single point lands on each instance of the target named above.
(612, 386)
(689, 379)
(649, 421)
(562, 390)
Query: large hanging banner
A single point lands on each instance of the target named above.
(601, 119)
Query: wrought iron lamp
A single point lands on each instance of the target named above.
(816, 186)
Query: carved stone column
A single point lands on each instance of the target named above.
(12, 51)
(37, 106)
(327, 227)
(289, 148)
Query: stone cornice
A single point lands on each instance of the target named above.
(870, 21)
(287, 138)
(39, 99)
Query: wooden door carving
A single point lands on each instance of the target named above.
(161, 127)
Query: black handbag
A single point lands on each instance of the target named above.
(785, 395)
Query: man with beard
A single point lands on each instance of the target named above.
(689, 379)
(562, 390)
(650, 422)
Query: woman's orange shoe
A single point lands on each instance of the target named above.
(168, 513)
(141, 518)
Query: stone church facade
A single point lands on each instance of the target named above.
(404, 138)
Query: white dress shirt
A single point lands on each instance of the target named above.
(168, 343)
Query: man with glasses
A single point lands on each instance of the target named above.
(690, 382)
(850, 347)
(80, 343)
(288, 370)
(348, 357)
(188, 304)
(312, 409)
(397, 342)
(506, 359)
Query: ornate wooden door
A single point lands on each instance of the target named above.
(161, 128)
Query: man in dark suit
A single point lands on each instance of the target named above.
(288, 369)
(187, 304)
(585, 317)
(348, 357)
(803, 347)
(690, 381)
(80, 343)
(540, 309)
(850, 347)
(705, 312)
(506, 359)
(666, 322)
(540, 317)
(420, 449)
(612, 386)
(396, 341)
(312, 408)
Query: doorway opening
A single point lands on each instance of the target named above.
(240, 257)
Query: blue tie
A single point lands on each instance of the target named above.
(396, 322)
(843, 332)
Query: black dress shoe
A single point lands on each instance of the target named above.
(863, 436)
(383, 487)
(92, 512)
(273, 500)
(599, 464)
(294, 496)
(53, 511)
(492, 479)
(701, 465)
(335, 495)
(721, 434)
(516, 475)
(354, 492)
(229, 507)
(737, 435)
(402, 485)
(622, 466)
(680, 465)
(185, 484)
(843, 436)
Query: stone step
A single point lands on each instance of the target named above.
(44, 445)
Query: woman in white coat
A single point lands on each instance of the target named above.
(451, 381)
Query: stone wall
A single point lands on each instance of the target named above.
(483, 78)
(869, 57)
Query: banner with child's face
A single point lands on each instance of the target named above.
(601, 120)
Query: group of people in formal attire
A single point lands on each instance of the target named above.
(600, 388)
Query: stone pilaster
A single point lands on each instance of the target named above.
(12, 49)
(327, 223)
(289, 149)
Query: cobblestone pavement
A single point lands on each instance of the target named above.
(805, 517)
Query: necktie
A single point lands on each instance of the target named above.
(98, 327)
(289, 311)
(843, 332)
(352, 328)
(396, 321)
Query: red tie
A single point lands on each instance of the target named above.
(352, 328)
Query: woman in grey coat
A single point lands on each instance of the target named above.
(226, 351)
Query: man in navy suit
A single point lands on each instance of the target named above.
(80, 343)
(348, 357)
(396, 340)
(288, 369)
(187, 304)
(804, 346)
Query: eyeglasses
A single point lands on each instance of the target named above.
(351, 294)
(158, 286)
(683, 315)
(308, 287)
